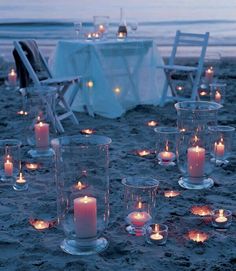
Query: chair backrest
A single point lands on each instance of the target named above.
(190, 39)
(30, 63)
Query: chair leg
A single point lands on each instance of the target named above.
(164, 93)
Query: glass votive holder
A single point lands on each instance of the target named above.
(140, 202)
(221, 145)
(166, 145)
(9, 159)
(217, 92)
(21, 183)
(221, 218)
(101, 25)
(156, 234)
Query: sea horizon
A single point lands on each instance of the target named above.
(48, 22)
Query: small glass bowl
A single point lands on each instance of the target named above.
(221, 218)
(156, 234)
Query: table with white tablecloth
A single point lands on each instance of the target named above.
(117, 75)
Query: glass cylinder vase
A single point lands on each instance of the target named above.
(140, 202)
(41, 119)
(83, 191)
(194, 147)
(196, 115)
(9, 159)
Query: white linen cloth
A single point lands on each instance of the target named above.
(123, 73)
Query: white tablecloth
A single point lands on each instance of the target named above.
(123, 73)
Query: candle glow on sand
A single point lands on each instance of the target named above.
(39, 224)
(197, 236)
(143, 153)
(152, 123)
(203, 210)
(171, 193)
(87, 131)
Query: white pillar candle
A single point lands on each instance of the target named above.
(41, 134)
(196, 161)
(85, 217)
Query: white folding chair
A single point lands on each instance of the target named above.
(33, 68)
(193, 72)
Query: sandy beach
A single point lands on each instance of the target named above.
(25, 249)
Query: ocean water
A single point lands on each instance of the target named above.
(51, 20)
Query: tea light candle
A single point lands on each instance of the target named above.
(203, 93)
(171, 194)
(143, 153)
(32, 166)
(220, 148)
(209, 73)
(89, 36)
(166, 156)
(8, 167)
(196, 161)
(139, 218)
(121, 35)
(221, 218)
(156, 235)
(152, 123)
(85, 217)
(22, 113)
(21, 179)
(12, 77)
(217, 96)
(79, 186)
(197, 236)
(201, 210)
(40, 224)
(41, 134)
(179, 88)
(87, 131)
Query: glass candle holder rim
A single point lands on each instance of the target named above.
(225, 212)
(197, 106)
(221, 128)
(144, 185)
(166, 130)
(83, 139)
(10, 142)
(162, 226)
(219, 84)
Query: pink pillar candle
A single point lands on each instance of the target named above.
(219, 149)
(138, 218)
(196, 161)
(41, 134)
(12, 77)
(209, 73)
(8, 168)
(85, 217)
(217, 97)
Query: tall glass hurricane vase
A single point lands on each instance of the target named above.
(83, 191)
(194, 144)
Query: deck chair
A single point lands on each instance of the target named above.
(193, 73)
(32, 69)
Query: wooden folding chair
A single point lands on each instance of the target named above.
(32, 68)
(193, 72)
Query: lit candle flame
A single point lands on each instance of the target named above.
(152, 123)
(40, 224)
(139, 205)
